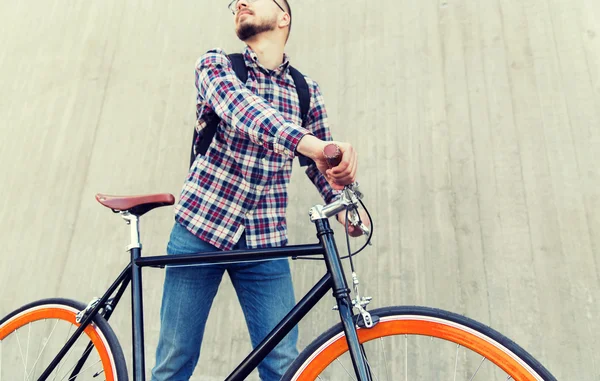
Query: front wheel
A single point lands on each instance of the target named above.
(32, 336)
(419, 343)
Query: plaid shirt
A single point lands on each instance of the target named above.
(240, 184)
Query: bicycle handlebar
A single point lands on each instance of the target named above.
(333, 154)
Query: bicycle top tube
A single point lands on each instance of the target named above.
(233, 256)
(131, 208)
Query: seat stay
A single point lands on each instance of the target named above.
(109, 308)
(87, 319)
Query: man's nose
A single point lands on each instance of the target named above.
(241, 4)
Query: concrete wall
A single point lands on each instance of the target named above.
(476, 123)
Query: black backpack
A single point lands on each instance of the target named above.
(200, 146)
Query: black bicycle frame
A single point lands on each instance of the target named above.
(334, 279)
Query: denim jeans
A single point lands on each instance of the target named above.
(264, 290)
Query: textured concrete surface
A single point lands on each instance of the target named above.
(476, 123)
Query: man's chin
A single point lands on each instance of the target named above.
(245, 38)
(245, 34)
(247, 30)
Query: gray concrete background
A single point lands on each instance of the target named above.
(476, 122)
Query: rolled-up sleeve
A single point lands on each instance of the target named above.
(220, 89)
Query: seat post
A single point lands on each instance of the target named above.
(137, 308)
(134, 223)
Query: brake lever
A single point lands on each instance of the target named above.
(354, 188)
(354, 220)
(366, 231)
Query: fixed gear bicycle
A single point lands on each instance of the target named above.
(61, 339)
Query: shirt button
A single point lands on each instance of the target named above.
(248, 214)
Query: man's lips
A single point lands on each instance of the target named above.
(241, 13)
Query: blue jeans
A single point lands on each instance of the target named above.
(264, 290)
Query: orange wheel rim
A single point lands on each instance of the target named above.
(411, 326)
(68, 316)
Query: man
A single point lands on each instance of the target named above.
(235, 195)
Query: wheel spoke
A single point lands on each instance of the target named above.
(82, 371)
(64, 360)
(21, 352)
(27, 348)
(387, 374)
(41, 342)
(88, 350)
(456, 362)
(348, 373)
(477, 370)
(44, 347)
(406, 357)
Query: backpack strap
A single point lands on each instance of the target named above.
(303, 92)
(304, 98)
(200, 146)
(239, 66)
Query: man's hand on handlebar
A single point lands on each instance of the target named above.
(337, 174)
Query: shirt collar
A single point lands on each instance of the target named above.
(251, 60)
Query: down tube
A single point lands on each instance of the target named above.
(341, 292)
(283, 328)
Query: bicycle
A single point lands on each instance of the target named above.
(354, 348)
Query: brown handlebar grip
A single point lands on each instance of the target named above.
(333, 154)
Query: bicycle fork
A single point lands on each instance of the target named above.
(341, 292)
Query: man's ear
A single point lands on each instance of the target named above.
(284, 21)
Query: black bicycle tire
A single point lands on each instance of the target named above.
(101, 324)
(427, 312)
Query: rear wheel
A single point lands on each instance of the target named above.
(32, 336)
(419, 343)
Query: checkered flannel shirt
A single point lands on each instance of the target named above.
(240, 184)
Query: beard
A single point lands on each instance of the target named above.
(247, 30)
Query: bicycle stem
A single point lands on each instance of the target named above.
(348, 198)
